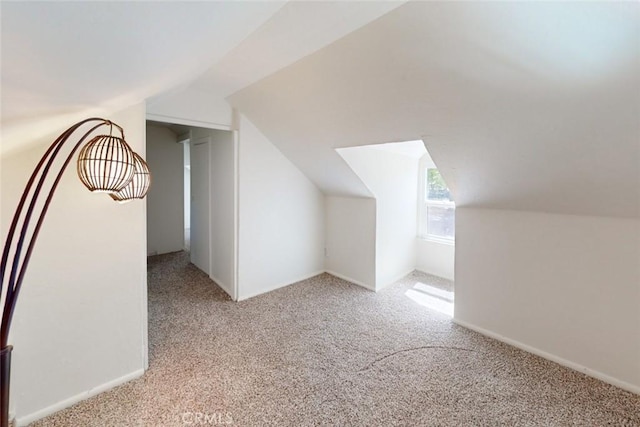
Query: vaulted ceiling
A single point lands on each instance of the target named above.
(522, 105)
(62, 61)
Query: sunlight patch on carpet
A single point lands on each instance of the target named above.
(432, 298)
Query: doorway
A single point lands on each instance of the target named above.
(191, 205)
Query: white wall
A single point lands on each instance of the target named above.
(80, 322)
(165, 200)
(191, 107)
(564, 286)
(435, 258)
(223, 224)
(351, 239)
(393, 178)
(281, 231)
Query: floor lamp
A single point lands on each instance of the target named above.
(107, 164)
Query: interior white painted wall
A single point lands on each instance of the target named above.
(392, 177)
(223, 208)
(281, 216)
(188, 106)
(165, 200)
(436, 258)
(80, 323)
(350, 239)
(567, 287)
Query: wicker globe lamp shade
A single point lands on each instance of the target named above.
(139, 185)
(106, 164)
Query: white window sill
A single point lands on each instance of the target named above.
(448, 242)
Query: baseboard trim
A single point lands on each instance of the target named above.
(433, 274)
(283, 285)
(394, 280)
(349, 279)
(557, 359)
(27, 419)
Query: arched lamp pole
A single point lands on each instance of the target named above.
(105, 164)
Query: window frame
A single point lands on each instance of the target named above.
(424, 203)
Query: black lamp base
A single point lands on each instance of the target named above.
(5, 376)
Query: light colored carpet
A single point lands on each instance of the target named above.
(325, 352)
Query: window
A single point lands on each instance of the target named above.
(437, 209)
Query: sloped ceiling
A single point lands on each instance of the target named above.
(64, 60)
(529, 106)
(522, 105)
(298, 29)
